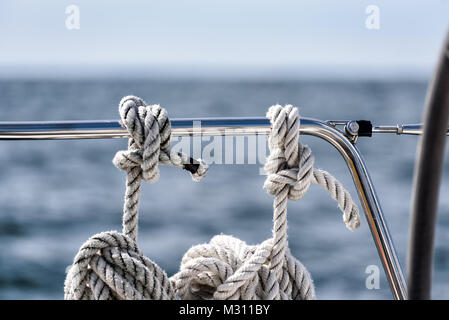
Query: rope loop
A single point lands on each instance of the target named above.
(110, 265)
(290, 165)
(150, 131)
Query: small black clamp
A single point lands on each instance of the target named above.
(365, 128)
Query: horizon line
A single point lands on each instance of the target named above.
(213, 72)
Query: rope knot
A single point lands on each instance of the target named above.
(110, 266)
(289, 165)
(150, 131)
(227, 268)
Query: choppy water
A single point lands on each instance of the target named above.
(56, 194)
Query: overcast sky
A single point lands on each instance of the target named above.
(204, 37)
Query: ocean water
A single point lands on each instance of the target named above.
(55, 194)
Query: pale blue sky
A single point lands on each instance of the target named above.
(283, 38)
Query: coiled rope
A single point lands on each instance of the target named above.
(110, 265)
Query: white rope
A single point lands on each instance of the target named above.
(290, 165)
(227, 268)
(110, 265)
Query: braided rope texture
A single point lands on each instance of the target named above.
(110, 265)
(290, 166)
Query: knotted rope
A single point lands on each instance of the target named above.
(110, 265)
(227, 268)
(290, 168)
